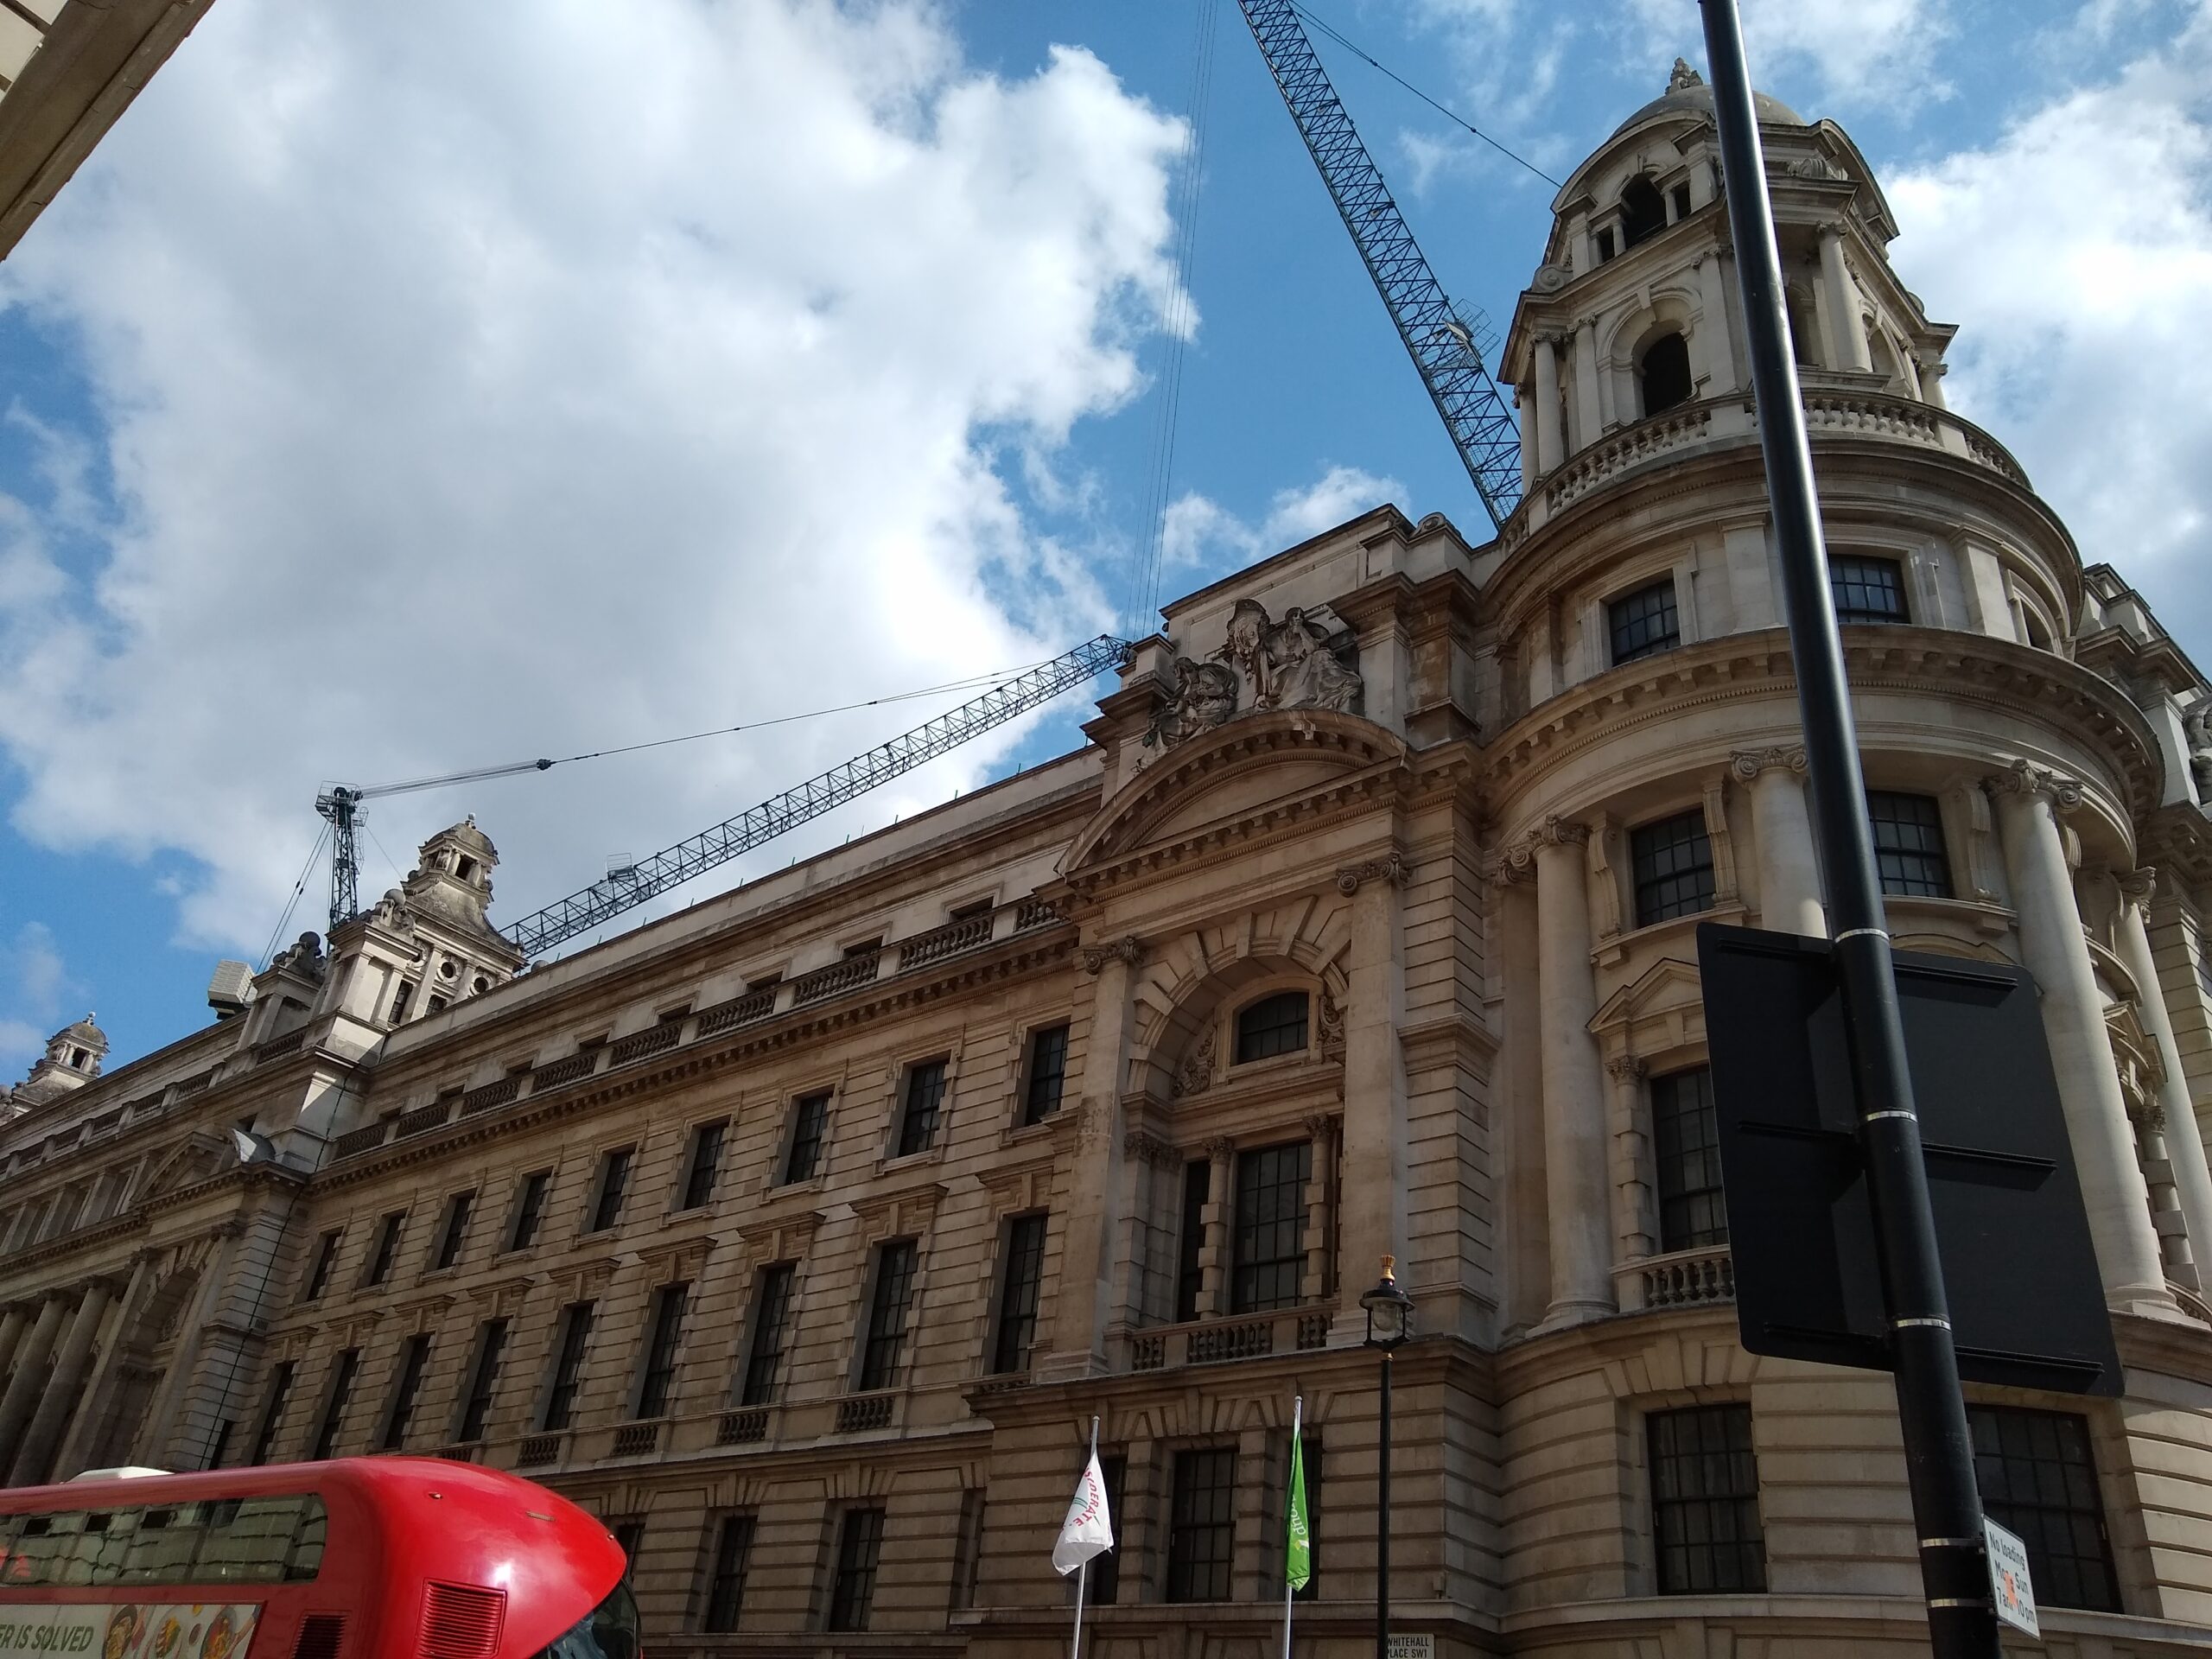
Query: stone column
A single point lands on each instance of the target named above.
(1575, 1092)
(1522, 404)
(1789, 868)
(12, 1324)
(1085, 1289)
(2053, 949)
(1589, 409)
(1213, 1252)
(169, 1422)
(1714, 291)
(1848, 328)
(35, 1457)
(1372, 1202)
(2185, 1142)
(1548, 433)
(24, 1389)
(1636, 1219)
(78, 1448)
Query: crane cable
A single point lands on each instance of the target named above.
(269, 950)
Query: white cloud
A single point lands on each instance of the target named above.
(1200, 531)
(33, 983)
(1865, 52)
(485, 381)
(2076, 251)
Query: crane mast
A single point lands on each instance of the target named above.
(1447, 345)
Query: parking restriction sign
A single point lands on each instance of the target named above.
(2010, 1586)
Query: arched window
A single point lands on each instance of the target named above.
(1643, 211)
(1663, 372)
(1275, 1025)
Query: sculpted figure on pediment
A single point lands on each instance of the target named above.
(1298, 662)
(1205, 695)
(2197, 721)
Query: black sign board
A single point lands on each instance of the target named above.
(2027, 1306)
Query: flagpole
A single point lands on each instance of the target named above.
(1297, 1416)
(1083, 1568)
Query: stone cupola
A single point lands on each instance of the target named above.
(71, 1060)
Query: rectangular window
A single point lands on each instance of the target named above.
(455, 1232)
(772, 1314)
(659, 1375)
(613, 1179)
(1705, 1501)
(400, 1000)
(703, 1163)
(809, 1122)
(1106, 1568)
(413, 1358)
(1275, 1025)
(967, 1547)
(2038, 1480)
(1190, 1273)
(272, 1413)
(530, 1210)
(325, 1255)
(387, 1247)
(1644, 623)
(1673, 865)
(925, 1097)
(1680, 195)
(483, 1378)
(1270, 1244)
(1866, 590)
(1025, 1276)
(568, 1367)
(1048, 1073)
(887, 1315)
(1202, 1525)
(860, 1543)
(1686, 1138)
(1909, 844)
(630, 1538)
(333, 1406)
(726, 1575)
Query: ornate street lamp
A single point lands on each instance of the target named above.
(1389, 1322)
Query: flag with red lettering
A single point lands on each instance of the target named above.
(1088, 1528)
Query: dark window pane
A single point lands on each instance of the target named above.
(1673, 864)
(333, 1409)
(887, 1312)
(1866, 590)
(705, 1162)
(1664, 374)
(1270, 1244)
(455, 1231)
(771, 1330)
(1048, 1073)
(1275, 1025)
(924, 1095)
(387, 1247)
(280, 1389)
(669, 1303)
(568, 1367)
(1645, 622)
(860, 1541)
(613, 1180)
(1909, 844)
(1705, 1509)
(2039, 1478)
(530, 1210)
(1202, 1527)
(483, 1378)
(326, 1252)
(1105, 1582)
(629, 1538)
(1643, 211)
(1189, 1275)
(1685, 1136)
(1025, 1276)
(412, 1359)
(809, 1118)
(726, 1578)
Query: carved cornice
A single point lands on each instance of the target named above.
(1389, 868)
(1748, 763)
(2023, 779)
(1129, 949)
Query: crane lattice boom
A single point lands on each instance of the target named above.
(1448, 345)
(634, 884)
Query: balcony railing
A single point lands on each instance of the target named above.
(360, 1140)
(947, 941)
(556, 1072)
(740, 1011)
(423, 1119)
(538, 1451)
(639, 1044)
(860, 1412)
(1218, 1341)
(1698, 1278)
(491, 1095)
(1034, 912)
(746, 1427)
(637, 1440)
(837, 976)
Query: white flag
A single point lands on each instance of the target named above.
(1088, 1528)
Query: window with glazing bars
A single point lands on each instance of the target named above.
(1866, 590)
(860, 1542)
(413, 1356)
(1685, 1140)
(726, 1574)
(530, 1210)
(1672, 860)
(1269, 1250)
(567, 1365)
(702, 1166)
(810, 1118)
(2038, 1480)
(667, 1328)
(333, 1409)
(1202, 1525)
(483, 1378)
(888, 1307)
(387, 1247)
(1909, 844)
(1106, 1566)
(325, 1255)
(272, 1413)
(1190, 1273)
(1048, 1073)
(1645, 622)
(1705, 1501)
(455, 1232)
(925, 1097)
(771, 1313)
(1275, 1025)
(613, 1179)
(1025, 1276)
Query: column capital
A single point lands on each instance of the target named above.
(1149, 1149)
(2137, 886)
(1129, 949)
(1512, 868)
(1390, 869)
(1748, 763)
(2021, 778)
(1557, 831)
(1629, 1068)
(1219, 1148)
(1320, 1125)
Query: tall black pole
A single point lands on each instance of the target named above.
(1939, 1456)
(1382, 1522)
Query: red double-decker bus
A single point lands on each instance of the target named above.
(363, 1558)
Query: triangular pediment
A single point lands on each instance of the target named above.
(1667, 985)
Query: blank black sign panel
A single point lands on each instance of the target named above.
(2027, 1307)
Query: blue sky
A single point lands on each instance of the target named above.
(395, 392)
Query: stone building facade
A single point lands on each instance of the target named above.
(802, 1234)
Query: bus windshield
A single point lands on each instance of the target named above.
(608, 1631)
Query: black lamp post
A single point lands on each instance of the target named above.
(1389, 1322)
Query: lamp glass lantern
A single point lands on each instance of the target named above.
(1389, 1310)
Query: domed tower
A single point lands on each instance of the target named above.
(2030, 803)
(71, 1060)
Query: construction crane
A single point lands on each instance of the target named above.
(341, 804)
(632, 885)
(1448, 343)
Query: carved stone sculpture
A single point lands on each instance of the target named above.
(1298, 662)
(1205, 695)
(2197, 722)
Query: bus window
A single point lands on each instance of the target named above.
(40, 1541)
(608, 1631)
(248, 1540)
(162, 1549)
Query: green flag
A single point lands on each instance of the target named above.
(1298, 1548)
